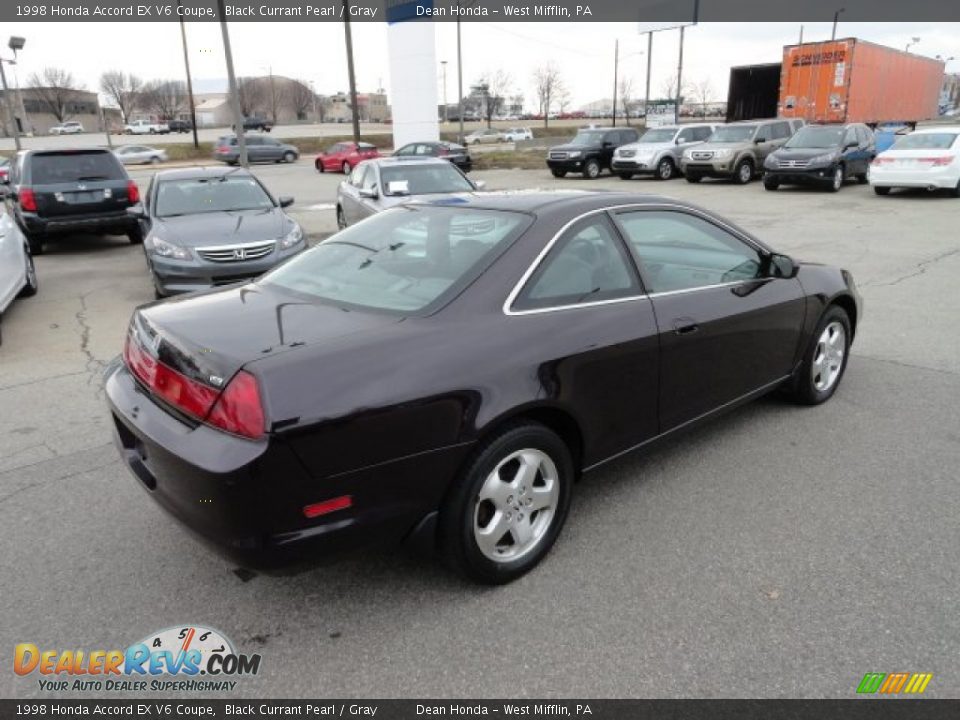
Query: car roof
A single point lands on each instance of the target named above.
(536, 200)
(406, 160)
(938, 129)
(197, 173)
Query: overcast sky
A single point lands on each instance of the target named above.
(315, 51)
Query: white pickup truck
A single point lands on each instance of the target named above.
(145, 127)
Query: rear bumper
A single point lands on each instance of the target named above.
(118, 223)
(183, 276)
(943, 178)
(245, 499)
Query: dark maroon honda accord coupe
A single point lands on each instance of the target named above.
(444, 372)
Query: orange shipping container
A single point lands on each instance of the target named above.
(853, 80)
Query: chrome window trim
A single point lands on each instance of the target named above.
(518, 287)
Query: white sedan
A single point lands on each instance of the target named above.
(928, 158)
(140, 155)
(18, 277)
(516, 134)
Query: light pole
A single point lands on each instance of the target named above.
(232, 80)
(616, 64)
(348, 36)
(836, 18)
(186, 64)
(15, 43)
(913, 41)
(459, 79)
(443, 64)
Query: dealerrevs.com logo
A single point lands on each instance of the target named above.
(185, 658)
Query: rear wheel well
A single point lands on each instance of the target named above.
(850, 307)
(559, 421)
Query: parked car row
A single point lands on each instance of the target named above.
(782, 152)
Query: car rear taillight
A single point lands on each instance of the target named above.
(28, 200)
(937, 161)
(223, 149)
(328, 506)
(236, 410)
(133, 192)
(883, 161)
(443, 151)
(239, 410)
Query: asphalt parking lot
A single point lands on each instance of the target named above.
(781, 551)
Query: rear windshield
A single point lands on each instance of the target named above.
(426, 179)
(732, 133)
(52, 168)
(926, 141)
(207, 195)
(403, 260)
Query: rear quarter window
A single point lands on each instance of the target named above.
(53, 168)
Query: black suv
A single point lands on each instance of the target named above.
(180, 126)
(59, 192)
(590, 152)
(822, 155)
(255, 123)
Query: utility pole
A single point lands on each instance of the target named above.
(232, 79)
(186, 64)
(353, 80)
(646, 101)
(676, 109)
(616, 62)
(459, 78)
(443, 64)
(836, 18)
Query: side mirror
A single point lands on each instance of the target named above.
(759, 140)
(851, 145)
(370, 193)
(782, 266)
(285, 201)
(607, 144)
(137, 211)
(481, 184)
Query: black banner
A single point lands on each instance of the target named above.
(640, 11)
(859, 709)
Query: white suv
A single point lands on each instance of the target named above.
(517, 134)
(71, 127)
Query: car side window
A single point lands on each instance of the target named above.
(680, 251)
(356, 177)
(851, 136)
(423, 149)
(687, 135)
(406, 150)
(370, 179)
(588, 264)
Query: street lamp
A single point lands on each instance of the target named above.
(836, 18)
(15, 43)
(913, 41)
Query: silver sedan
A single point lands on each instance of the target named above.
(381, 183)
(140, 155)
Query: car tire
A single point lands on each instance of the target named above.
(32, 285)
(135, 236)
(743, 173)
(863, 179)
(523, 465)
(591, 170)
(693, 177)
(346, 168)
(824, 362)
(625, 176)
(770, 183)
(341, 219)
(318, 165)
(559, 173)
(881, 190)
(956, 190)
(155, 160)
(152, 131)
(836, 180)
(289, 157)
(36, 245)
(666, 170)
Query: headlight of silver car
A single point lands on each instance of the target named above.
(294, 237)
(723, 153)
(165, 249)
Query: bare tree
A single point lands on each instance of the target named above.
(563, 100)
(124, 89)
(549, 87)
(250, 94)
(55, 88)
(625, 91)
(301, 99)
(165, 98)
(669, 88)
(702, 93)
(276, 93)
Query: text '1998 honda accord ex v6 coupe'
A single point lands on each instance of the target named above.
(443, 373)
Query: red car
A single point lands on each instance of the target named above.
(344, 156)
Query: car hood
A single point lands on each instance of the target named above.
(804, 153)
(724, 145)
(648, 147)
(222, 228)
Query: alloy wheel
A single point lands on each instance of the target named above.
(516, 505)
(745, 173)
(828, 356)
(838, 178)
(665, 170)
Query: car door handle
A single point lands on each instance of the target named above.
(685, 326)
